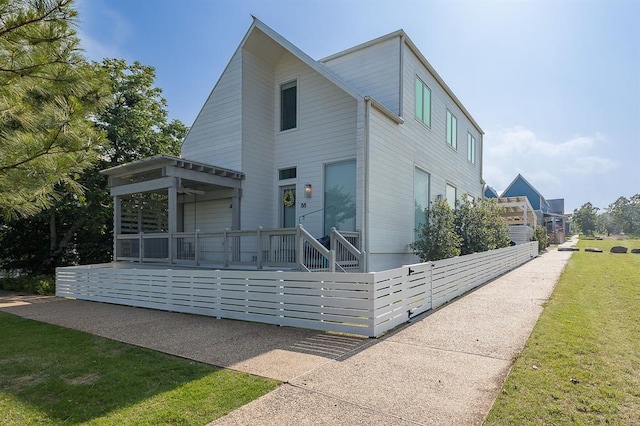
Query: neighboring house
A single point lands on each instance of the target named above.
(556, 208)
(544, 209)
(361, 141)
(490, 192)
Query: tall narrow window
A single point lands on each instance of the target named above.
(451, 195)
(340, 196)
(452, 130)
(423, 102)
(471, 148)
(420, 197)
(288, 105)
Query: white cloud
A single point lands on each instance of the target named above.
(553, 167)
(114, 30)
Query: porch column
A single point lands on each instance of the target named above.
(235, 209)
(173, 216)
(117, 224)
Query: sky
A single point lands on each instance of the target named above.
(554, 84)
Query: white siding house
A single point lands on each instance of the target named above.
(353, 141)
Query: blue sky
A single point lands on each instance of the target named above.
(554, 84)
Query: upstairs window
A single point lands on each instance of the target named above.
(452, 130)
(471, 148)
(288, 105)
(423, 102)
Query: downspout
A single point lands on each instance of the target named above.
(367, 111)
(401, 77)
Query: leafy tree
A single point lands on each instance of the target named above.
(48, 95)
(626, 214)
(607, 224)
(586, 218)
(437, 238)
(78, 229)
(540, 235)
(480, 226)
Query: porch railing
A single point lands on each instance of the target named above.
(291, 248)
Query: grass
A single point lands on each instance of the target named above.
(581, 364)
(50, 375)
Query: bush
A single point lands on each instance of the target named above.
(436, 237)
(35, 284)
(540, 235)
(480, 226)
(471, 228)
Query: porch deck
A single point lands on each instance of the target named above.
(277, 249)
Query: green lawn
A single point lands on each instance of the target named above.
(581, 364)
(52, 375)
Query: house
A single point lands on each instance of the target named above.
(490, 192)
(286, 148)
(548, 212)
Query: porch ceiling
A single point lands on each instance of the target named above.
(163, 171)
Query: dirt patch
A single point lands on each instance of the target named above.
(87, 379)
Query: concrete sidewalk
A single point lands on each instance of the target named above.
(446, 367)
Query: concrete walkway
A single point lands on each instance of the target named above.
(446, 367)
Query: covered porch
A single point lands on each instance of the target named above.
(520, 217)
(158, 206)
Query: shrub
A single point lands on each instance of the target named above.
(480, 226)
(436, 237)
(540, 235)
(35, 284)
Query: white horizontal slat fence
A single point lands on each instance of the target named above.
(361, 303)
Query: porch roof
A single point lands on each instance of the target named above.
(163, 171)
(517, 211)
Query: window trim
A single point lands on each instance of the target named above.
(451, 138)
(471, 148)
(447, 185)
(417, 169)
(280, 106)
(422, 92)
(280, 170)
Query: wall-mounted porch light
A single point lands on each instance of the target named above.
(308, 190)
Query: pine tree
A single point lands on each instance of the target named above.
(48, 95)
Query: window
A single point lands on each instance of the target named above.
(471, 148)
(340, 196)
(420, 196)
(451, 196)
(423, 102)
(288, 105)
(290, 173)
(452, 130)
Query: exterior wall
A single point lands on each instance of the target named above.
(258, 193)
(396, 150)
(433, 154)
(521, 188)
(325, 133)
(238, 128)
(216, 135)
(373, 70)
(207, 216)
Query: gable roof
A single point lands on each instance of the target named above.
(533, 188)
(490, 190)
(295, 51)
(406, 39)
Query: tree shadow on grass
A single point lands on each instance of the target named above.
(74, 377)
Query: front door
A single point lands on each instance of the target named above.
(288, 206)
